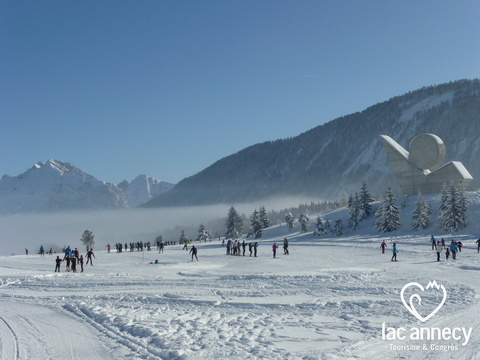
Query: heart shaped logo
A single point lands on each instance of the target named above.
(411, 305)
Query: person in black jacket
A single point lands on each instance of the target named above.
(193, 251)
(89, 257)
(58, 261)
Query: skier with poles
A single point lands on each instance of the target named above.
(89, 257)
(193, 251)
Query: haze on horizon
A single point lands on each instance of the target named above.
(65, 228)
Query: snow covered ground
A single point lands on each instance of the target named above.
(328, 299)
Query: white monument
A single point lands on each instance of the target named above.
(419, 168)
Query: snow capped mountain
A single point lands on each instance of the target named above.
(142, 189)
(58, 185)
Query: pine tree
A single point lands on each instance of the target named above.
(353, 214)
(87, 239)
(391, 213)
(234, 224)
(183, 237)
(290, 220)
(328, 228)
(350, 201)
(266, 223)
(255, 225)
(463, 203)
(304, 221)
(338, 227)
(365, 200)
(379, 216)
(202, 233)
(342, 198)
(443, 209)
(319, 227)
(453, 207)
(421, 214)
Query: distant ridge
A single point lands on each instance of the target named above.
(341, 153)
(58, 185)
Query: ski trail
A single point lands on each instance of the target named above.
(49, 333)
(8, 341)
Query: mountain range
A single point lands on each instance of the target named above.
(57, 185)
(318, 163)
(341, 153)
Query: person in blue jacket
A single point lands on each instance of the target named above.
(453, 250)
(395, 251)
(229, 244)
(434, 242)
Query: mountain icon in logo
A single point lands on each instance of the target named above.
(411, 304)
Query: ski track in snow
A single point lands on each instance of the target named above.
(326, 300)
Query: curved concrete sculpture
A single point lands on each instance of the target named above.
(418, 169)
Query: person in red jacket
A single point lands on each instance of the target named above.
(383, 245)
(274, 248)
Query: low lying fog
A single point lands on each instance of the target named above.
(18, 232)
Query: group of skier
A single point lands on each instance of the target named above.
(238, 248)
(72, 258)
(41, 251)
(438, 246)
(383, 246)
(139, 246)
(285, 248)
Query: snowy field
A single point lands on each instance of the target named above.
(328, 299)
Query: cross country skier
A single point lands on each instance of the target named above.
(67, 257)
(229, 244)
(193, 251)
(394, 250)
(439, 250)
(285, 246)
(274, 248)
(89, 257)
(58, 261)
(255, 249)
(73, 260)
(383, 245)
(453, 249)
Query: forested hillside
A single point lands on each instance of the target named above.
(342, 153)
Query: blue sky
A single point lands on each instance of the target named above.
(166, 88)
